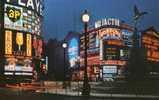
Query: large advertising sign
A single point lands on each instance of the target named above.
(23, 19)
(35, 5)
(73, 52)
(14, 66)
(18, 44)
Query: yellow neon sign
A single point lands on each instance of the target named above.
(19, 39)
(14, 14)
(28, 45)
(8, 42)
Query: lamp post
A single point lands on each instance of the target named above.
(86, 85)
(78, 65)
(64, 45)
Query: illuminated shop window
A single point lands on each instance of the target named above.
(152, 45)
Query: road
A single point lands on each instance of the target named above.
(11, 94)
(38, 91)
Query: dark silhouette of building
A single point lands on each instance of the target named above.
(55, 60)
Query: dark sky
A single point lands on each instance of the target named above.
(62, 16)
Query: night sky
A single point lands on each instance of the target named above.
(62, 16)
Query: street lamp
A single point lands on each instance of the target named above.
(64, 45)
(86, 85)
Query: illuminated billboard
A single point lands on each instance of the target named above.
(93, 44)
(111, 53)
(22, 19)
(8, 42)
(13, 17)
(35, 5)
(127, 38)
(109, 69)
(18, 44)
(28, 45)
(73, 51)
(17, 67)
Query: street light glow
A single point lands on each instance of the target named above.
(85, 17)
(64, 45)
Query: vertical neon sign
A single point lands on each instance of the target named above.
(28, 45)
(8, 42)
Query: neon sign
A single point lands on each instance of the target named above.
(33, 4)
(19, 40)
(13, 17)
(29, 46)
(110, 33)
(8, 42)
(14, 14)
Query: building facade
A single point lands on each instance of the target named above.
(21, 37)
(108, 49)
(150, 41)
